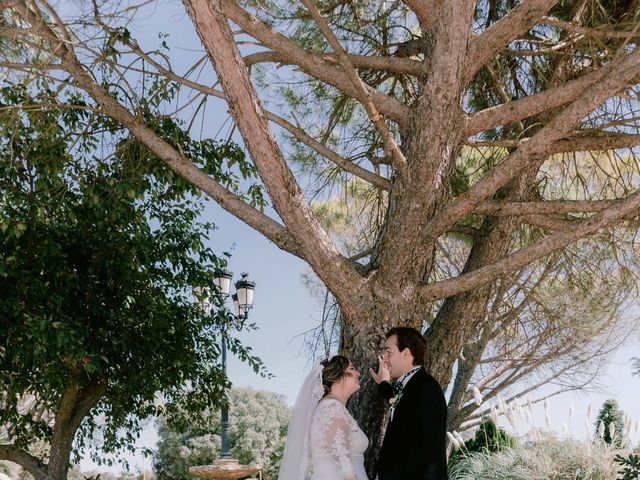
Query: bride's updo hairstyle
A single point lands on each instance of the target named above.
(333, 371)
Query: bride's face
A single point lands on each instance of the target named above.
(351, 378)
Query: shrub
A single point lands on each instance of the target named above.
(488, 438)
(631, 466)
(547, 460)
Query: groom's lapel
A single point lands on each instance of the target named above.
(414, 378)
(413, 381)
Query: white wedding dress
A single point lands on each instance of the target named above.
(337, 444)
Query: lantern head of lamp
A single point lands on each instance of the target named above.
(222, 281)
(244, 295)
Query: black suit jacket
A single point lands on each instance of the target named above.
(414, 446)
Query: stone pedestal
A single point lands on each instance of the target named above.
(225, 469)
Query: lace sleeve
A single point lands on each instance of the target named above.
(336, 440)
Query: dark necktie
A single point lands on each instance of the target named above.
(397, 387)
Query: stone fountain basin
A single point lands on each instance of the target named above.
(225, 469)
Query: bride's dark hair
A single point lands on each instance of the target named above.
(333, 371)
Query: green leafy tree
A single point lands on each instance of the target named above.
(610, 423)
(99, 327)
(258, 427)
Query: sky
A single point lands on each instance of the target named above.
(284, 308)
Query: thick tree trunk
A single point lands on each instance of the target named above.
(363, 342)
(74, 405)
(397, 304)
(59, 460)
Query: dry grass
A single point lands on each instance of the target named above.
(546, 460)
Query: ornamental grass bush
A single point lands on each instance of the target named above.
(550, 459)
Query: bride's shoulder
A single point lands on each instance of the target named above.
(329, 405)
(328, 410)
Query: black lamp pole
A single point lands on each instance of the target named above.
(243, 302)
(224, 413)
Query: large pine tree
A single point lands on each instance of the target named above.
(464, 117)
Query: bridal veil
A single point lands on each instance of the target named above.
(296, 459)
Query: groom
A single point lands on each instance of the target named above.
(414, 446)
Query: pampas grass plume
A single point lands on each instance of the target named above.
(453, 440)
(477, 396)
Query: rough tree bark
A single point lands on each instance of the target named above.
(75, 403)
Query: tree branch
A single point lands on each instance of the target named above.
(174, 159)
(64, 412)
(548, 222)
(395, 65)
(526, 255)
(515, 110)
(319, 251)
(505, 383)
(550, 207)
(30, 463)
(311, 64)
(390, 146)
(474, 420)
(426, 11)
(579, 141)
(8, 4)
(534, 151)
(298, 133)
(88, 397)
(517, 21)
(590, 32)
(309, 141)
(583, 141)
(466, 366)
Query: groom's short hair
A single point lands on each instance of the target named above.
(409, 337)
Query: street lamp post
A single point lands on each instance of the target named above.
(242, 302)
(227, 468)
(225, 451)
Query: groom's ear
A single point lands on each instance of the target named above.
(406, 353)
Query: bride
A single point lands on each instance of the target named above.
(324, 442)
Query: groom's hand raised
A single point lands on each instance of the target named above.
(382, 375)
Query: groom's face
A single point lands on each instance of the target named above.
(398, 362)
